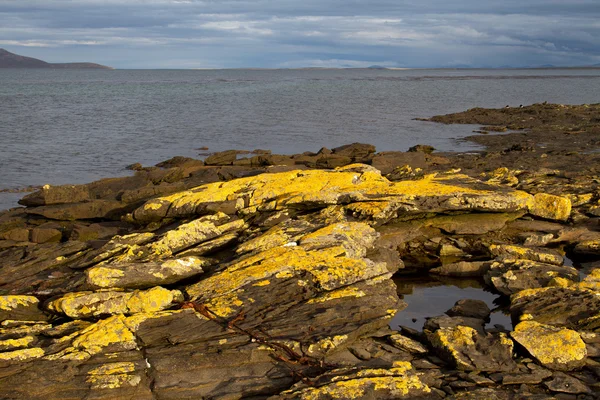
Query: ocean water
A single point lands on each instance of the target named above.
(75, 126)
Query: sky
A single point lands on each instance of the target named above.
(304, 33)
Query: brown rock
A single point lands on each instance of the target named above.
(95, 209)
(222, 158)
(45, 235)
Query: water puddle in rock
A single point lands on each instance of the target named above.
(428, 296)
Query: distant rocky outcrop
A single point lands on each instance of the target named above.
(11, 60)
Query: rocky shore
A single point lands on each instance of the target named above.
(261, 276)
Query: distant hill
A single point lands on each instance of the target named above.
(11, 60)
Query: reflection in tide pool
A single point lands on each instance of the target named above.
(432, 296)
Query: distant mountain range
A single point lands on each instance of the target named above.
(11, 60)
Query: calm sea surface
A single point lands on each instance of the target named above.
(75, 126)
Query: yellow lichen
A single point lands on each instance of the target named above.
(266, 282)
(91, 340)
(338, 294)
(9, 303)
(104, 277)
(88, 304)
(558, 348)
(282, 190)
(551, 207)
(23, 354)
(327, 344)
(394, 383)
(224, 306)
(12, 344)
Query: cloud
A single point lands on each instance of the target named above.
(266, 33)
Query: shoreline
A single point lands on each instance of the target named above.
(271, 275)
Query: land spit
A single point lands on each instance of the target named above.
(269, 276)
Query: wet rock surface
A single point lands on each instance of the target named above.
(256, 275)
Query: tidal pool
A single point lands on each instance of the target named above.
(429, 296)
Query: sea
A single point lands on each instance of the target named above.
(76, 126)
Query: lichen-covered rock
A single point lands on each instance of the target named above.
(511, 276)
(405, 343)
(552, 207)
(588, 247)
(398, 382)
(111, 333)
(555, 348)
(575, 307)
(20, 308)
(470, 350)
(511, 251)
(143, 275)
(90, 304)
(317, 189)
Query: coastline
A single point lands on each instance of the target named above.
(270, 275)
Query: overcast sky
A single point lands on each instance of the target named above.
(304, 33)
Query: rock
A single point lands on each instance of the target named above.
(445, 321)
(135, 167)
(398, 382)
(23, 308)
(462, 269)
(42, 268)
(537, 239)
(222, 158)
(180, 162)
(332, 161)
(357, 152)
(95, 209)
(16, 234)
(89, 304)
(532, 378)
(407, 344)
(470, 350)
(49, 195)
(387, 161)
(42, 235)
(511, 276)
(564, 383)
(472, 224)
(103, 230)
(422, 148)
(470, 308)
(555, 348)
(317, 189)
(144, 275)
(143, 193)
(547, 256)
(572, 307)
(588, 247)
(551, 207)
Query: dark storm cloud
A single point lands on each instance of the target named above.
(291, 33)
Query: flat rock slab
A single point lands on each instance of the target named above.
(316, 189)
